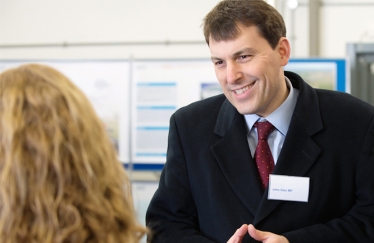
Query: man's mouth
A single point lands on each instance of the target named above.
(242, 90)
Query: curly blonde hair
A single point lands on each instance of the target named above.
(60, 179)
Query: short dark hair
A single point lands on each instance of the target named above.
(221, 23)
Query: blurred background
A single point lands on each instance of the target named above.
(140, 60)
(117, 29)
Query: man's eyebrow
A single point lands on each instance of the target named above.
(245, 50)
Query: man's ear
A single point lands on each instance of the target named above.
(284, 50)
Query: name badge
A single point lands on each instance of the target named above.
(288, 188)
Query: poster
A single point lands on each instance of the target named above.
(160, 88)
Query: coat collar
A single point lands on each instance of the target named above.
(298, 154)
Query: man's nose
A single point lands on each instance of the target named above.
(233, 72)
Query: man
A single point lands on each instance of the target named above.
(322, 145)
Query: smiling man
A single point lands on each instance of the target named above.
(250, 71)
(272, 159)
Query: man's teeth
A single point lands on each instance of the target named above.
(240, 91)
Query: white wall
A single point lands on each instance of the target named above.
(345, 21)
(341, 22)
(66, 23)
(103, 21)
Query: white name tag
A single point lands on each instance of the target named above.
(288, 188)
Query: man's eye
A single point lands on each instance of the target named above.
(218, 63)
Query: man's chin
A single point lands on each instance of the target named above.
(245, 111)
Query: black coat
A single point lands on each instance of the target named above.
(209, 186)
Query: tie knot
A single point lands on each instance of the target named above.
(264, 129)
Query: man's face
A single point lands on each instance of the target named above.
(250, 72)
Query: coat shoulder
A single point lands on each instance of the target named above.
(344, 103)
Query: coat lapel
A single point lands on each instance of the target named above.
(234, 157)
(299, 151)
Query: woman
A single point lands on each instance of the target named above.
(60, 179)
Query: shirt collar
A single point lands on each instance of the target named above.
(281, 117)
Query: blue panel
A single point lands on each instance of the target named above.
(341, 72)
(145, 166)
